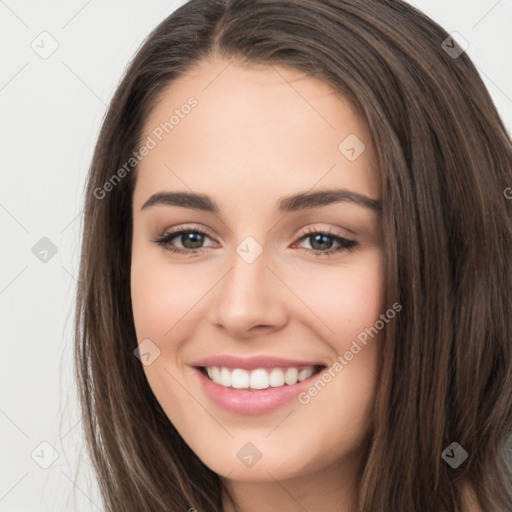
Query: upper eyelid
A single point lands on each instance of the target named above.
(311, 230)
(181, 229)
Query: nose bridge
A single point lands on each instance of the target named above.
(247, 282)
(249, 295)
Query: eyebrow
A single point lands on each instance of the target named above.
(297, 202)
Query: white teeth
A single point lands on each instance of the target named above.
(239, 379)
(305, 373)
(225, 377)
(215, 376)
(291, 376)
(260, 378)
(276, 378)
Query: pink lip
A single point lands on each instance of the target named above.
(252, 402)
(251, 363)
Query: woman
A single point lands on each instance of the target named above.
(296, 272)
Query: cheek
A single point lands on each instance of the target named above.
(163, 299)
(346, 298)
(163, 294)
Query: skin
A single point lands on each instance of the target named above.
(260, 133)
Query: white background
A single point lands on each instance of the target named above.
(51, 113)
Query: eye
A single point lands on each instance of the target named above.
(322, 241)
(191, 240)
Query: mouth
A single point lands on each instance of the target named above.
(260, 390)
(255, 385)
(259, 379)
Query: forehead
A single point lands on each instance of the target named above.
(266, 128)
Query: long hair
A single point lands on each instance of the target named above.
(445, 162)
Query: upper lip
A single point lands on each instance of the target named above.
(251, 363)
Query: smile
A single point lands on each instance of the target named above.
(259, 378)
(255, 385)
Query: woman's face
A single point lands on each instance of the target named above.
(254, 294)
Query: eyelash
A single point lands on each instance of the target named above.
(345, 243)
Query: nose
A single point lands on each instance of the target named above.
(250, 299)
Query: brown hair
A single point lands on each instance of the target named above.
(445, 160)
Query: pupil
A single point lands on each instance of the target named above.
(194, 238)
(316, 238)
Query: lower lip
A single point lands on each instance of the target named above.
(251, 403)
